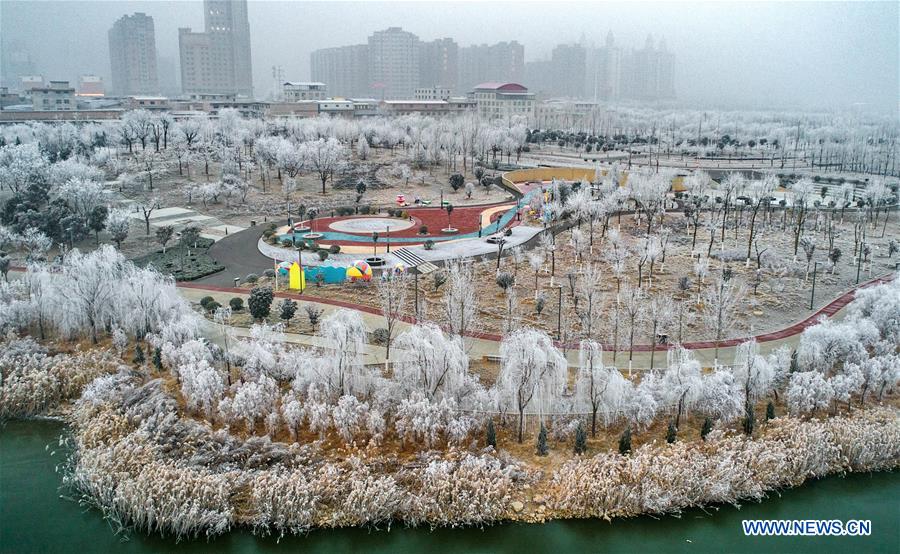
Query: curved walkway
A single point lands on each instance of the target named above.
(827, 310)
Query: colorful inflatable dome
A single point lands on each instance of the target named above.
(359, 271)
(283, 268)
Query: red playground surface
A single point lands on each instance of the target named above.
(466, 219)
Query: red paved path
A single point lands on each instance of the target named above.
(828, 310)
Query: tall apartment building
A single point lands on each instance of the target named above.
(345, 69)
(439, 64)
(15, 61)
(217, 61)
(393, 63)
(569, 63)
(504, 61)
(132, 55)
(647, 74)
(604, 70)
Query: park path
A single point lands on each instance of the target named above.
(487, 344)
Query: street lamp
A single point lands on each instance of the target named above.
(374, 243)
(387, 239)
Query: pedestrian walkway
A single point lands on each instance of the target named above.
(482, 345)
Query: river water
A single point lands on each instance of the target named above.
(33, 518)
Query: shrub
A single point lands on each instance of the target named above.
(270, 273)
(707, 427)
(491, 434)
(313, 313)
(251, 278)
(542, 448)
(770, 410)
(288, 309)
(625, 442)
(323, 255)
(138, 355)
(236, 303)
(671, 433)
(211, 307)
(268, 233)
(423, 230)
(334, 249)
(365, 209)
(580, 439)
(429, 244)
(505, 280)
(380, 335)
(206, 300)
(287, 242)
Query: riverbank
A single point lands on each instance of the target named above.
(34, 518)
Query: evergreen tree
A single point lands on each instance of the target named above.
(138, 355)
(260, 302)
(707, 427)
(491, 434)
(749, 420)
(542, 448)
(770, 410)
(157, 359)
(625, 442)
(671, 433)
(580, 439)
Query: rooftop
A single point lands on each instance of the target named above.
(505, 87)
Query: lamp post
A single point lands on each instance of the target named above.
(812, 295)
(559, 315)
(387, 239)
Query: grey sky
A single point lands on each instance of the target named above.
(750, 54)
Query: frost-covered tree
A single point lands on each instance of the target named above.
(252, 401)
(430, 362)
(392, 293)
(720, 302)
(533, 372)
(343, 371)
(808, 391)
(118, 223)
(598, 387)
(681, 384)
(459, 302)
(202, 385)
(325, 157)
(362, 147)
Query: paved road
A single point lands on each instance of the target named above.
(240, 256)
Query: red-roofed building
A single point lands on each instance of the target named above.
(504, 100)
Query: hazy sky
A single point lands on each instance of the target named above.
(744, 53)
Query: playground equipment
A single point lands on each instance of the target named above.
(359, 271)
(297, 280)
(284, 268)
